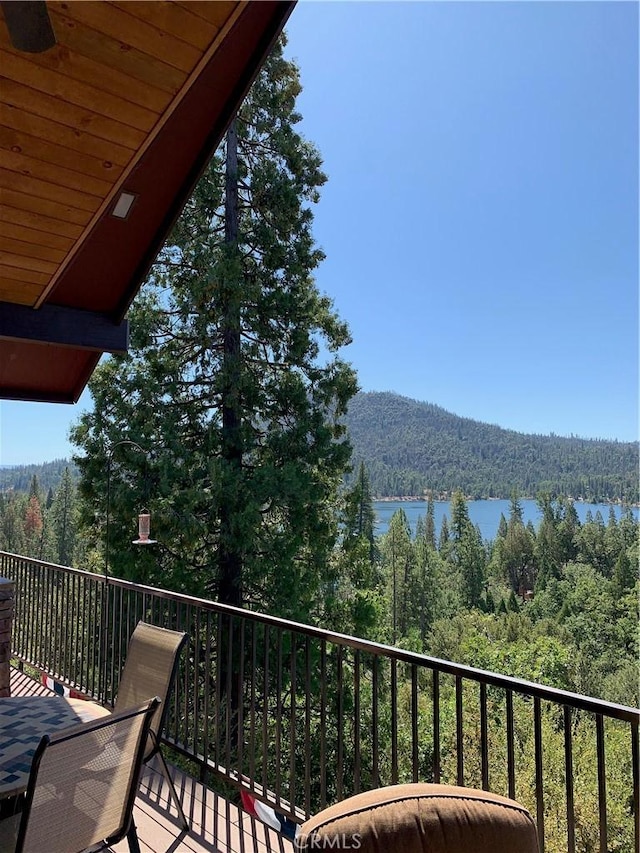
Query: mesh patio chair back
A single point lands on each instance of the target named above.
(149, 670)
(83, 784)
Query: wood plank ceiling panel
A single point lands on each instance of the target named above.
(180, 22)
(126, 27)
(74, 117)
(215, 13)
(133, 96)
(111, 53)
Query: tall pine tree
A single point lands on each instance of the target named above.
(224, 384)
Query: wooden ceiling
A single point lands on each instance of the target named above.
(133, 98)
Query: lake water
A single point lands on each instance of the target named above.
(486, 514)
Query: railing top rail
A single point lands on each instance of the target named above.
(66, 569)
(516, 685)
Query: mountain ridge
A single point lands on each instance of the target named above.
(410, 447)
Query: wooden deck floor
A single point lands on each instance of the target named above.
(217, 826)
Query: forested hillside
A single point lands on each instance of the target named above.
(19, 477)
(409, 447)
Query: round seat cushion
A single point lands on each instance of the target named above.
(422, 818)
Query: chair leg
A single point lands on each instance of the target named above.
(132, 838)
(172, 789)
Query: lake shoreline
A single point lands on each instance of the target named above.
(484, 513)
(445, 496)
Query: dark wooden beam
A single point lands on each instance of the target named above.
(68, 327)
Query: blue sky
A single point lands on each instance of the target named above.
(481, 216)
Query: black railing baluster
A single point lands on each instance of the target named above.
(194, 643)
(30, 608)
(265, 708)
(459, 733)
(84, 659)
(394, 722)
(323, 717)
(240, 698)
(568, 777)
(65, 581)
(228, 687)
(292, 723)
(340, 727)
(511, 758)
(436, 725)
(415, 755)
(484, 737)
(218, 694)
(206, 700)
(97, 632)
(602, 784)
(356, 722)
(537, 724)
(76, 648)
(113, 649)
(307, 726)
(375, 758)
(45, 658)
(182, 727)
(635, 761)
(278, 733)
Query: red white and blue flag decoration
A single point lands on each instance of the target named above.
(270, 816)
(59, 688)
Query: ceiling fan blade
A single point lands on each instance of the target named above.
(29, 25)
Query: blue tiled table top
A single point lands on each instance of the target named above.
(23, 722)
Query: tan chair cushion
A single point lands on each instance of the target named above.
(422, 818)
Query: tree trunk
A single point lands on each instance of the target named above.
(229, 556)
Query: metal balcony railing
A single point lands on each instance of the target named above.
(302, 717)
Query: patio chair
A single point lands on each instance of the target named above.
(422, 818)
(150, 670)
(82, 787)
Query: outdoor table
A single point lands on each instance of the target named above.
(23, 722)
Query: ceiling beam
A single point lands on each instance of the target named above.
(55, 324)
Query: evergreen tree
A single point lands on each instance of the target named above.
(467, 552)
(224, 383)
(34, 526)
(567, 529)
(547, 544)
(518, 566)
(502, 526)
(13, 539)
(359, 516)
(63, 512)
(34, 488)
(430, 524)
(612, 537)
(356, 605)
(515, 508)
(592, 546)
(443, 539)
(624, 575)
(398, 562)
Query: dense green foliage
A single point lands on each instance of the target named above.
(43, 522)
(557, 604)
(410, 447)
(224, 387)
